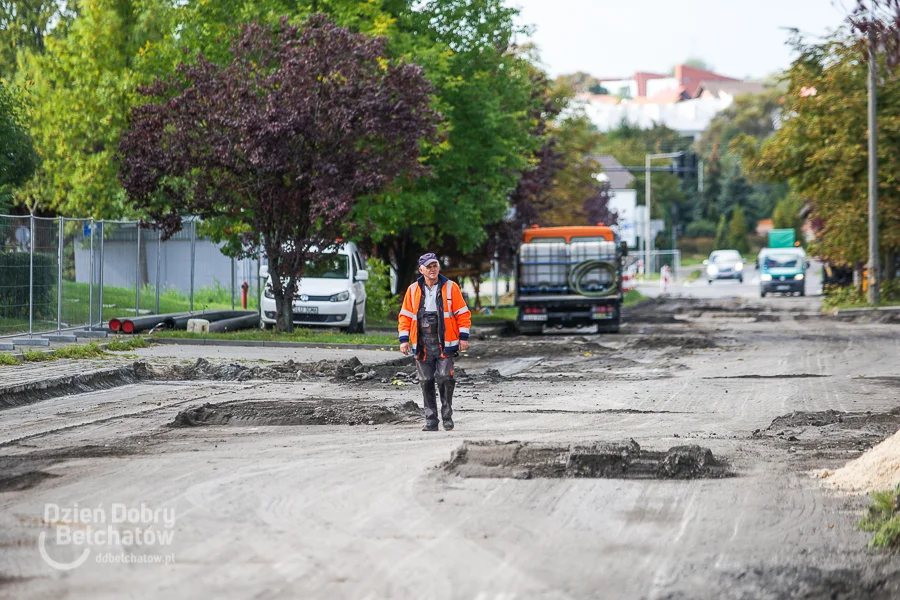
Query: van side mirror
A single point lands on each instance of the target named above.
(624, 248)
(362, 276)
(807, 264)
(263, 271)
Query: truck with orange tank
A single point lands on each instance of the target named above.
(569, 277)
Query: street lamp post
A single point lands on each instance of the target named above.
(872, 292)
(647, 245)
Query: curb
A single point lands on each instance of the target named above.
(858, 311)
(260, 344)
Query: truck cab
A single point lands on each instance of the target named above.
(569, 276)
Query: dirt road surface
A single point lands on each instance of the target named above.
(673, 460)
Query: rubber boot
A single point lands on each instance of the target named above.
(430, 401)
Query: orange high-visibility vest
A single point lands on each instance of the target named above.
(457, 318)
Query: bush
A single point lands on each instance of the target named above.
(883, 519)
(700, 229)
(14, 278)
(702, 246)
(379, 300)
(837, 296)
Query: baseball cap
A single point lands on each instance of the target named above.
(427, 259)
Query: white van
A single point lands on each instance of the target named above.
(332, 293)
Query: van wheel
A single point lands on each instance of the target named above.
(802, 291)
(762, 293)
(354, 323)
(362, 324)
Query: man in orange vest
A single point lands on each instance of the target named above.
(434, 324)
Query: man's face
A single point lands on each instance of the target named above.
(430, 271)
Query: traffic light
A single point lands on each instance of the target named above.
(680, 162)
(686, 166)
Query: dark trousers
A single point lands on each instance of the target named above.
(435, 370)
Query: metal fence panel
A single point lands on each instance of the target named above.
(16, 235)
(45, 266)
(110, 269)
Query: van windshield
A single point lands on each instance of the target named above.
(786, 261)
(327, 266)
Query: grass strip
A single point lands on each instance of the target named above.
(91, 350)
(125, 344)
(8, 359)
(298, 335)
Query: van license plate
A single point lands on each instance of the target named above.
(782, 287)
(606, 315)
(306, 310)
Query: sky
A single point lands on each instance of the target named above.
(616, 38)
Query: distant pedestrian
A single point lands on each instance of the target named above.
(434, 324)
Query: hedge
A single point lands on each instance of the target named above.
(14, 278)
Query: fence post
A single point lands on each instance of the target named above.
(59, 261)
(193, 246)
(137, 271)
(259, 285)
(677, 264)
(232, 283)
(100, 299)
(31, 277)
(158, 253)
(91, 282)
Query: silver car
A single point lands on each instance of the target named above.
(724, 264)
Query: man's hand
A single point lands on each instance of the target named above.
(463, 345)
(404, 348)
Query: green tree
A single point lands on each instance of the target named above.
(822, 148)
(83, 86)
(18, 158)
(721, 240)
(736, 190)
(787, 215)
(485, 92)
(86, 82)
(23, 26)
(737, 231)
(749, 120)
(630, 144)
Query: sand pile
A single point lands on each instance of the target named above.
(876, 470)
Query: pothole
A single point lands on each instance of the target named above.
(656, 342)
(785, 376)
(23, 481)
(525, 460)
(314, 411)
(793, 582)
(830, 434)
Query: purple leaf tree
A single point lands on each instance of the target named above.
(276, 146)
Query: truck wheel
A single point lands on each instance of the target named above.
(612, 327)
(529, 329)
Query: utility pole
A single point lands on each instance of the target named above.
(647, 171)
(873, 275)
